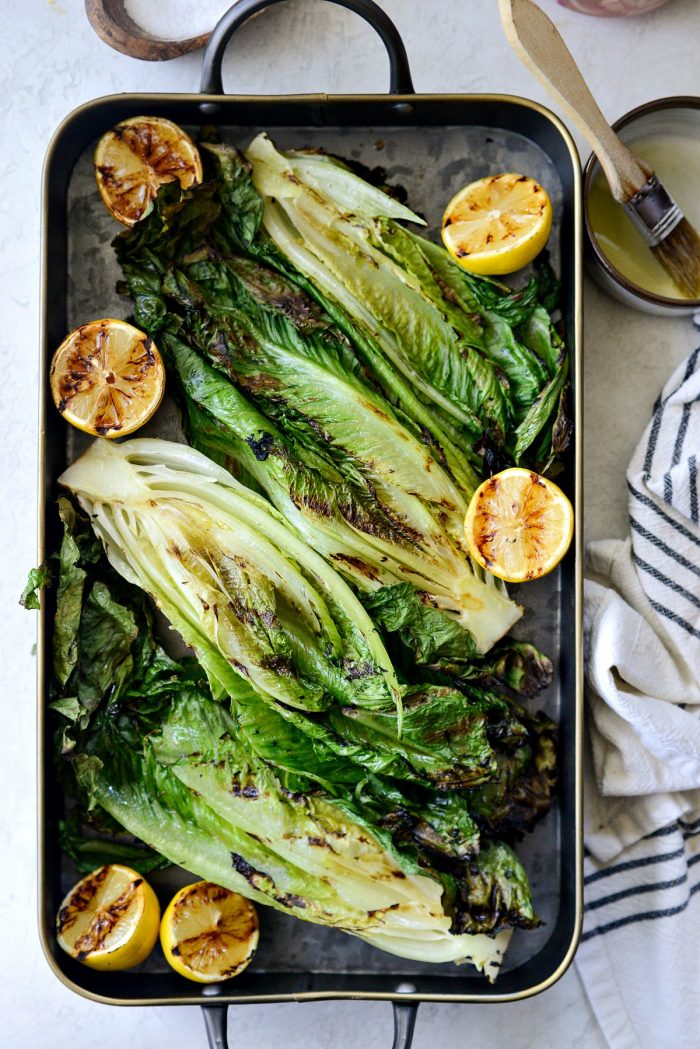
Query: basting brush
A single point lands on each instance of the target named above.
(674, 242)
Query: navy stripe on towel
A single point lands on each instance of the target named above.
(689, 830)
(661, 578)
(658, 412)
(660, 545)
(675, 618)
(680, 436)
(669, 520)
(629, 865)
(644, 916)
(635, 890)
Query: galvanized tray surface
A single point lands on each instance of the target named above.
(432, 160)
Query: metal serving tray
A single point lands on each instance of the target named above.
(431, 144)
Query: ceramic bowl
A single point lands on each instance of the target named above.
(680, 114)
(613, 8)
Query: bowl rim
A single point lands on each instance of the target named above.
(668, 103)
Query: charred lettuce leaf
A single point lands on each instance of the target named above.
(105, 661)
(100, 644)
(522, 789)
(519, 665)
(330, 452)
(467, 344)
(496, 894)
(433, 639)
(226, 817)
(241, 795)
(260, 608)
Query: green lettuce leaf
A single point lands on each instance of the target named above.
(246, 798)
(38, 579)
(521, 791)
(297, 853)
(496, 894)
(432, 637)
(377, 534)
(331, 453)
(518, 664)
(88, 853)
(477, 351)
(335, 251)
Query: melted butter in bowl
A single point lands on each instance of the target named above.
(666, 135)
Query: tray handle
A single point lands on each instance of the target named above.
(216, 1023)
(404, 1022)
(400, 82)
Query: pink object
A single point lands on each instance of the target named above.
(613, 8)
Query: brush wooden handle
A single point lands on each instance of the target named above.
(537, 42)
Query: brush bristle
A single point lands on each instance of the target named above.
(679, 254)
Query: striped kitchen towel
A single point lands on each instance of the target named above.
(639, 957)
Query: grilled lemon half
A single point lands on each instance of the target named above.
(519, 525)
(209, 933)
(110, 919)
(107, 378)
(136, 157)
(498, 224)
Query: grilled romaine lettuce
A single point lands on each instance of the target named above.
(270, 383)
(238, 796)
(226, 817)
(469, 347)
(256, 602)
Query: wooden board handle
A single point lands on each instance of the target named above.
(113, 24)
(537, 42)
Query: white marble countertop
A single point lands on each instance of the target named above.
(52, 62)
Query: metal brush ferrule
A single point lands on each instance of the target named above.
(653, 212)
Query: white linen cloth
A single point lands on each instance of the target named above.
(639, 957)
